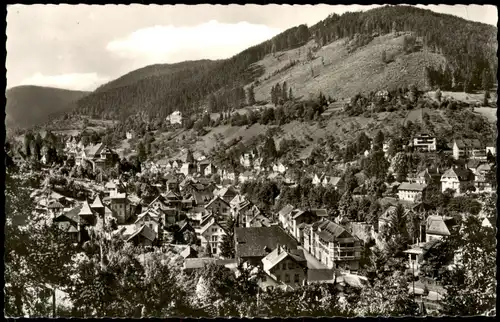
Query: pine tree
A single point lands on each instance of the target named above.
(251, 95)
(486, 80)
(274, 98)
(290, 95)
(284, 92)
(427, 78)
(141, 151)
(438, 95)
(208, 249)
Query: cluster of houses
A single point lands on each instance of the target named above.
(99, 155)
(291, 247)
(200, 166)
(461, 180)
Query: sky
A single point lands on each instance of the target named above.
(83, 46)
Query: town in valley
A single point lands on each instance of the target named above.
(345, 167)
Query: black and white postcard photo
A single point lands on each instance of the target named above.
(250, 161)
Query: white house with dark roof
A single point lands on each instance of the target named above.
(335, 182)
(411, 191)
(287, 266)
(244, 212)
(332, 245)
(317, 179)
(211, 233)
(150, 218)
(457, 179)
(218, 207)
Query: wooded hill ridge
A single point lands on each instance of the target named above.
(468, 50)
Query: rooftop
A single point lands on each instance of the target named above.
(412, 186)
(259, 241)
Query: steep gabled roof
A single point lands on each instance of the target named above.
(171, 195)
(92, 150)
(188, 251)
(226, 191)
(258, 241)
(211, 223)
(71, 215)
(297, 213)
(144, 231)
(148, 214)
(285, 210)
(330, 231)
(214, 199)
(460, 173)
(334, 181)
(55, 205)
(85, 209)
(279, 254)
(259, 220)
(160, 198)
(97, 203)
(237, 200)
(437, 226)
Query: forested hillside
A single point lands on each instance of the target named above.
(469, 47)
(464, 56)
(31, 105)
(157, 70)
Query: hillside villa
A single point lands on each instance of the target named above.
(411, 191)
(424, 142)
(468, 148)
(175, 118)
(457, 179)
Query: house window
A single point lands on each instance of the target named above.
(296, 278)
(287, 278)
(290, 265)
(278, 278)
(284, 266)
(214, 230)
(214, 250)
(214, 238)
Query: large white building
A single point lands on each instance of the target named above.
(411, 191)
(175, 118)
(457, 179)
(468, 148)
(424, 142)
